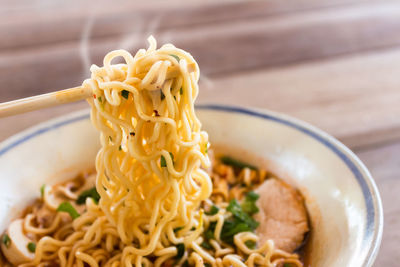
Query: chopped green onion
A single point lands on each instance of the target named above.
(238, 212)
(125, 94)
(120, 148)
(213, 210)
(236, 163)
(181, 91)
(206, 148)
(287, 265)
(209, 233)
(67, 207)
(92, 193)
(42, 190)
(177, 229)
(6, 240)
(181, 250)
(163, 161)
(249, 204)
(100, 99)
(250, 244)
(31, 247)
(206, 245)
(207, 264)
(176, 57)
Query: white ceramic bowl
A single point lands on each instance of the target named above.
(341, 196)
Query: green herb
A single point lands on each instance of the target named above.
(207, 264)
(31, 247)
(236, 163)
(162, 95)
(181, 250)
(206, 245)
(239, 222)
(120, 148)
(176, 57)
(6, 240)
(177, 229)
(67, 207)
(42, 190)
(125, 94)
(206, 148)
(163, 161)
(92, 193)
(250, 244)
(100, 99)
(181, 91)
(287, 265)
(233, 227)
(249, 204)
(209, 233)
(132, 133)
(238, 213)
(213, 210)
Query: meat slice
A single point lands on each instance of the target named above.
(282, 215)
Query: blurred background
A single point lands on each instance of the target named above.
(334, 64)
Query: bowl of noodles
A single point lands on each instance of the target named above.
(146, 178)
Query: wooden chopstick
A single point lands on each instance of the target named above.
(61, 97)
(44, 101)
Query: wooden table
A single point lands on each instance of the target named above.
(335, 64)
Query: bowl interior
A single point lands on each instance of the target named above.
(341, 197)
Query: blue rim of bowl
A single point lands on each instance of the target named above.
(373, 232)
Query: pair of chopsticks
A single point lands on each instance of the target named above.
(57, 98)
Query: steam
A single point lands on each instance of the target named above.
(84, 45)
(130, 42)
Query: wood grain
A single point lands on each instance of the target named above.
(356, 99)
(384, 165)
(221, 48)
(27, 24)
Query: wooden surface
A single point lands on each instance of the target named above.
(335, 64)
